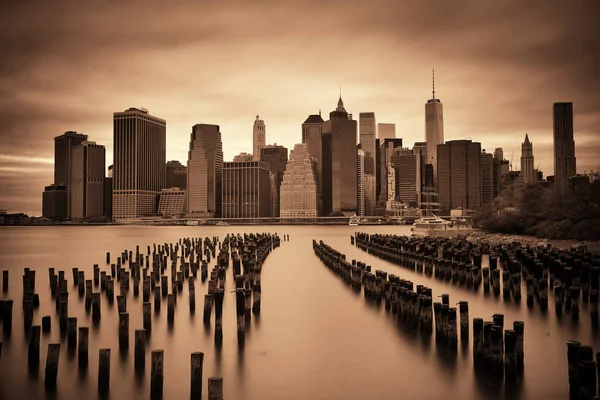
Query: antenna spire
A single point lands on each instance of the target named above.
(433, 82)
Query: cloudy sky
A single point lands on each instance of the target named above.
(499, 65)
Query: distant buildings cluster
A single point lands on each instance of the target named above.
(328, 173)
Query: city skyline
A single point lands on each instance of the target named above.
(542, 54)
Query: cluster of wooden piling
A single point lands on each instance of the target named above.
(494, 349)
(190, 255)
(571, 275)
(584, 372)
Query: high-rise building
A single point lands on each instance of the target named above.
(246, 190)
(176, 175)
(360, 173)
(420, 150)
(205, 171)
(367, 134)
(339, 167)
(527, 168)
(312, 136)
(386, 131)
(407, 175)
(110, 171)
(434, 128)
(87, 180)
(171, 202)
(459, 175)
(386, 149)
(63, 160)
(370, 202)
(243, 157)
(139, 156)
(107, 202)
(564, 146)
(487, 178)
(276, 156)
(498, 154)
(298, 191)
(259, 137)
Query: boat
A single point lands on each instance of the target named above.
(353, 221)
(222, 223)
(436, 226)
(192, 223)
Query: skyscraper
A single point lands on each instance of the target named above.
(367, 133)
(205, 171)
(386, 149)
(407, 167)
(527, 167)
(340, 164)
(87, 180)
(312, 136)
(420, 150)
(434, 128)
(386, 131)
(360, 173)
(276, 156)
(459, 175)
(246, 190)
(298, 191)
(139, 156)
(259, 137)
(176, 175)
(564, 146)
(487, 178)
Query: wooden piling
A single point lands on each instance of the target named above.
(586, 376)
(108, 257)
(464, 320)
(140, 349)
(88, 295)
(477, 340)
(215, 388)
(46, 323)
(593, 296)
(573, 361)
(510, 356)
(208, 301)
(147, 316)
(241, 321)
(51, 372)
(197, 361)
(82, 348)
(72, 332)
(5, 280)
(156, 374)
(33, 356)
(256, 294)
(96, 307)
(7, 316)
(451, 329)
(219, 316)
(171, 307)
(103, 371)
(519, 328)
(123, 331)
(121, 303)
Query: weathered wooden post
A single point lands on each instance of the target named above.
(123, 331)
(215, 388)
(33, 356)
(63, 312)
(208, 301)
(5, 280)
(239, 304)
(88, 295)
(594, 307)
(477, 340)
(256, 293)
(156, 374)
(147, 316)
(164, 283)
(146, 289)
(247, 303)
(82, 349)
(51, 372)
(192, 299)
(46, 323)
(464, 320)
(157, 297)
(510, 357)
(572, 358)
(96, 274)
(451, 333)
(72, 332)
(121, 303)
(171, 308)
(197, 360)
(96, 307)
(219, 316)
(108, 257)
(519, 328)
(7, 316)
(140, 349)
(103, 371)
(558, 297)
(587, 379)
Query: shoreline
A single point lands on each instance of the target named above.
(502, 238)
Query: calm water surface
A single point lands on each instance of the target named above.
(315, 338)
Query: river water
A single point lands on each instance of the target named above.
(315, 338)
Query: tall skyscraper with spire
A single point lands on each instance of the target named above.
(259, 137)
(527, 168)
(434, 127)
(564, 146)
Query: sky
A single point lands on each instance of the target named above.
(499, 67)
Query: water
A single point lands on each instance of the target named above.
(315, 338)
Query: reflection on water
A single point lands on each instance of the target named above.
(316, 337)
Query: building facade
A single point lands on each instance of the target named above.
(205, 171)
(565, 165)
(312, 136)
(386, 131)
(434, 129)
(87, 180)
(171, 202)
(298, 191)
(386, 149)
(277, 157)
(527, 166)
(459, 175)
(139, 157)
(243, 157)
(259, 137)
(176, 175)
(340, 163)
(407, 175)
(246, 190)
(487, 178)
(360, 173)
(55, 202)
(63, 161)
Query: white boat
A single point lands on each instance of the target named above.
(354, 221)
(436, 226)
(192, 223)
(222, 223)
